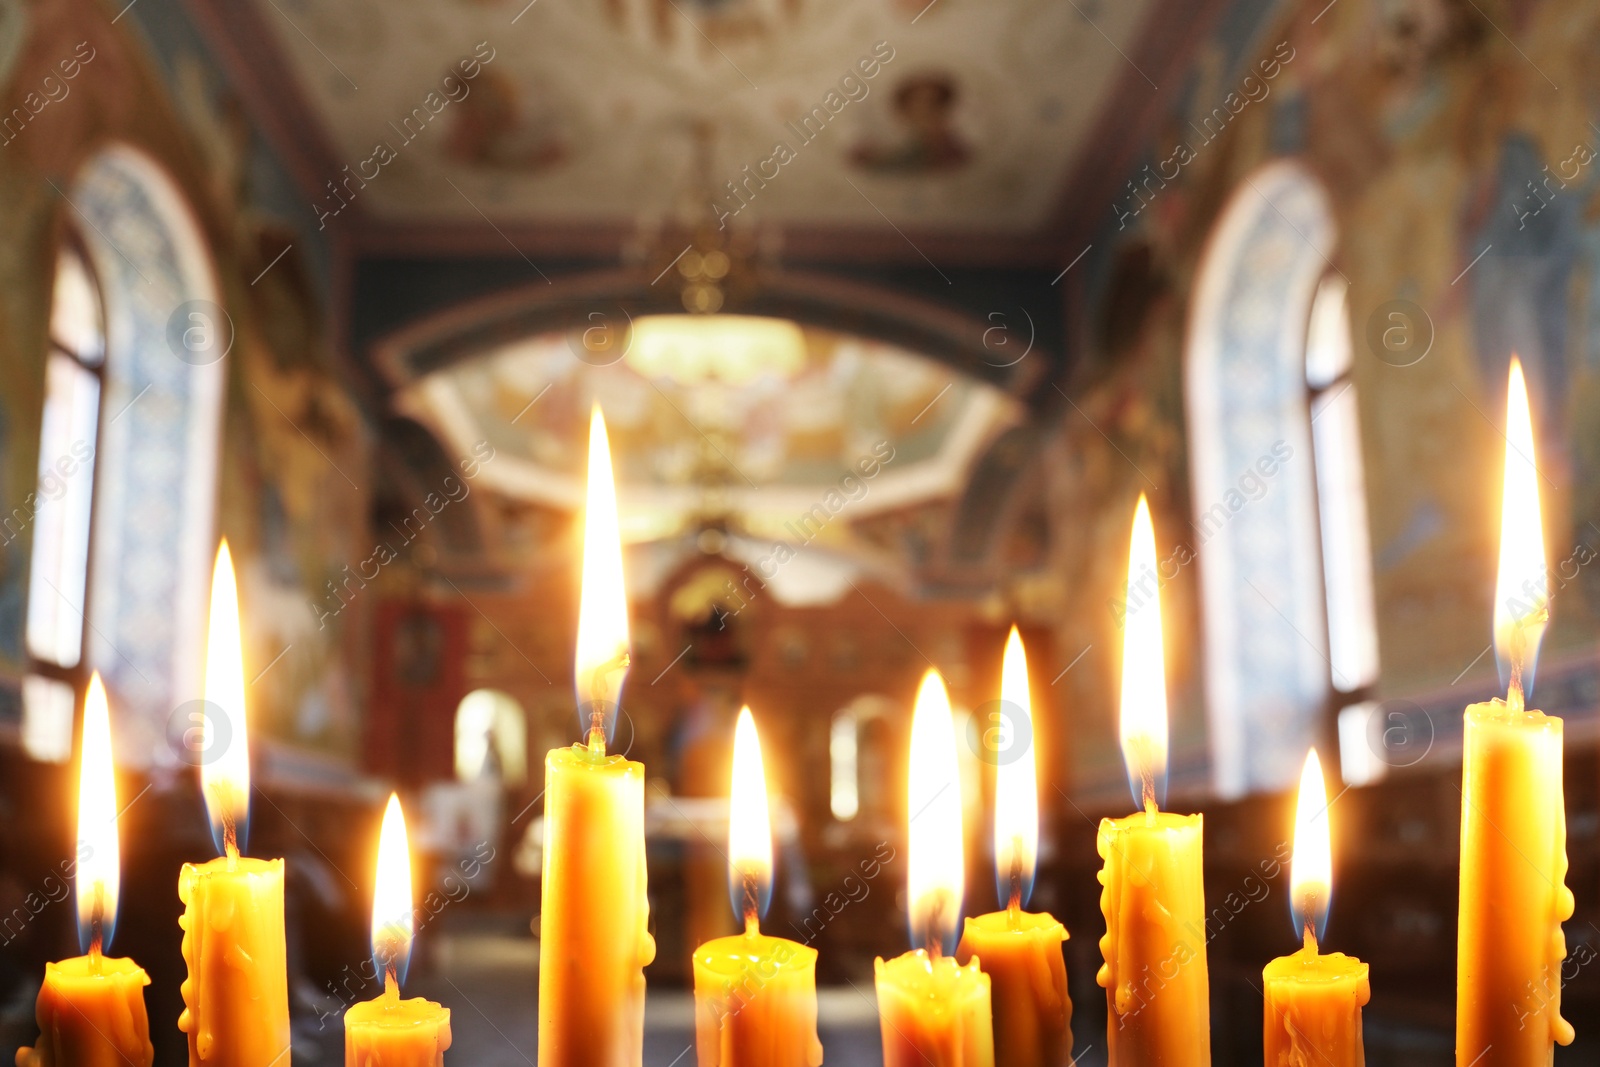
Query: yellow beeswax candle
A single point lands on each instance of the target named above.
(1021, 952)
(236, 995)
(1154, 949)
(1021, 955)
(1313, 1001)
(1313, 1009)
(1513, 892)
(390, 1032)
(91, 1008)
(755, 996)
(91, 1014)
(1157, 998)
(756, 1003)
(387, 1031)
(594, 921)
(1513, 813)
(932, 1009)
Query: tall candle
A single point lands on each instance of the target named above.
(594, 920)
(236, 997)
(1513, 813)
(755, 996)
(1158, 1004)
(1313, 1000)
(91, 1007)
(387, 1031)
(932, 1009)
(1021, 952)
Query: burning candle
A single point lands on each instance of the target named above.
(1153, 898)
(755, 996)
(594, 921)
(387, 1031)
(930, 1008)
(1313, 1002)
(236, 997)
(1021, 952)
(91, 1007)
(1513, 815)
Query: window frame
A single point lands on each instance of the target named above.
(71, 241)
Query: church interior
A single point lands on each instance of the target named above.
(896, 321)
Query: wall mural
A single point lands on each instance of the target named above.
(695, 439)
(951, 112)
(1464, 198)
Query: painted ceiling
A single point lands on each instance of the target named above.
(961, 114)
(856, 427)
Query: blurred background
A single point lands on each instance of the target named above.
(893, 308)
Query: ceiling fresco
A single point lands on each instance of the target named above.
(965, 114)
(854, 428)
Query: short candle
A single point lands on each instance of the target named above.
(387, 1031)
(932, 1009)
(755, 996)
(1021, 952)
(1313, 1001)
(91, 1008)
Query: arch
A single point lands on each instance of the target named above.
(1267, 671)
(614, 297)
(491, 723)
(857, 784)
(161, 413)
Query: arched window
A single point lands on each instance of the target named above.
(61, 505)
(858, 760)
(149, 541)
(491, 738)
(1280, 511)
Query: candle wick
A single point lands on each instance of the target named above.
(1311, 940)
(97, 921)
(1014, 906)
(752, 904)
(391, 984)
(230, 840)
(932, 938)
(601, 697)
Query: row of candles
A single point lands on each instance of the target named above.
(1000, 998)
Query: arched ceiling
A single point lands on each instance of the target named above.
(856, 426)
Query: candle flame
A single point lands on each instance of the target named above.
(936, 860)
(601, 663)
(99, 874)
(1311, 870)
(225, 766)
(749, 825)
(1144, 675)
(1016, 784)
(392, 921)
(1522, 590)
